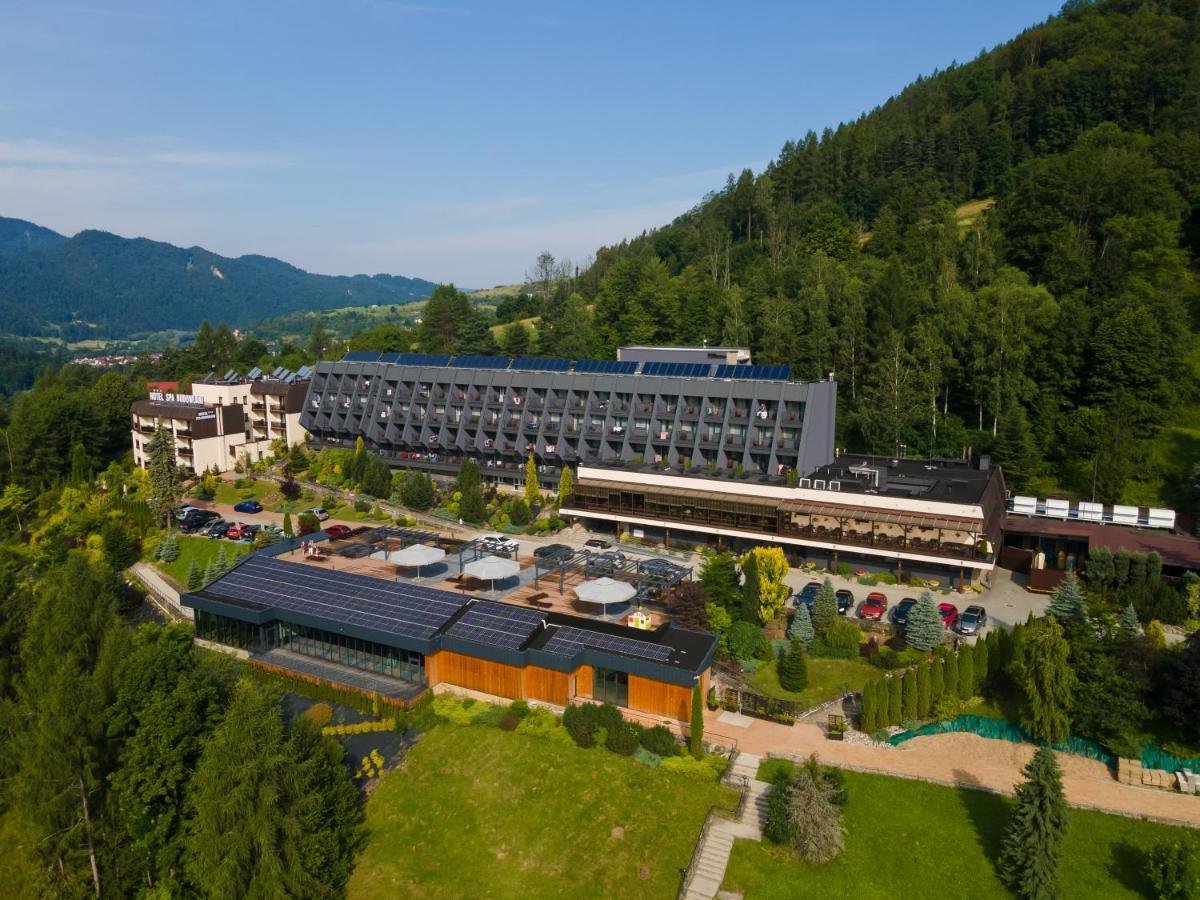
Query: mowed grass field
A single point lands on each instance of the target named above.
(202, 550)
(479, 812)
(826, 680)
(916, 840)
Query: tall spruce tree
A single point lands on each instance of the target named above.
(470, 505)
(925, 629)
(195, 577)
(1128, 623)
(1043, 671)
(824, 611)
(793, 668)
(162, 474)
(1066, 602)
(1032, 845)
(801, 628)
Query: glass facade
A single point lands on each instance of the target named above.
(610, 686)
(338, 648)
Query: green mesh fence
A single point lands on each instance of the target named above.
(1003, 730)
(1157, 758)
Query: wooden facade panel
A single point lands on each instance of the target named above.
(583, 682)
(477, 675)
(659, 698)
(545, 684)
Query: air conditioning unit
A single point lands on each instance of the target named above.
(835, 485)
(819, 484)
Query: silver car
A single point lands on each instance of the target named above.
(972, 621)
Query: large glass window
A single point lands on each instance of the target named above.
(610, 686)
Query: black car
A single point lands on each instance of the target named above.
(196, 519)
(900, 613)
(219, 529)
(845, 601)
(552, 551)
(808, 594)
(597, 543)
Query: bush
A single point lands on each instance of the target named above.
(778, 828)
(885, 578)
(579, 726)
(660, 741)
(746, 641)
(543, 723)
(841, 639)
(518, 709)
(707, 769)
(509, 723)
(320, 714)
(645, 757)
(1171, 868)
(290, 488)
(880, 735)
(623, 738)
(890, 659)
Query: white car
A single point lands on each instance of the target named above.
(318, 512)
(499, 542)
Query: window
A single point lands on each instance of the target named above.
(610, 686)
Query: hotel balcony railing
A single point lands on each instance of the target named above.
(147, 429)
(786, 444)
(739, 414)
(571, 428)
(761, 443)
(555, 403)
(890, 542)
(714, 413)
(258, 407)
(662, 437)
(595, 429)
(734, 441)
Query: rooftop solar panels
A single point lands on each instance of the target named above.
(390, 607)
(541, 364)
(416, 359)
(677, 370)
(360, 356)
(568, 641)
(496, 624)
(755, 373)
(606, 366)
(481, 362)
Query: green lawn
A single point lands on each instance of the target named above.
(912, 839)
(265, 492)
(202, 550)
(826, 680)
(479, 812)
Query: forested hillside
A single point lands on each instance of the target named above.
(1055, 328)
(99, 285)
(19, 236)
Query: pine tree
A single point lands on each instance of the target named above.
(995, 652)
(925, 629)
(696, 732)
(966, 673)
(867, 714)
(287, 524)
(1029, 854)
(909, 695)
(924, 690)
(533, 496)
(793, 669)
(982, 662)
(1128, 623)
(801, 628)
(211, 572)
(195, 577)
(824, 611)
(1066, 603)
(162, 475)
(222, 561)
(937, 682)
(950, 677)
(895, 701)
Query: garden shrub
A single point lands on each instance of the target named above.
(579, 725)
(880, 735)
(841, 639)
(622, 739)
(320, 714)
(867, 580)
(890, 659)
(660, 741)
(457, 711)
(843, 569)
(543, 723)
(746, 641)
(509, 723)
(697, 769)
(600, 738)
(518, 709)
(362, 506)
(645, 757)
(778, 828)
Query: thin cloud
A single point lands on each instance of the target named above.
(24, 152)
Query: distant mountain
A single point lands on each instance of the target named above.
(100, 285)
(18, 236)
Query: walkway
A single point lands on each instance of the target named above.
(161, 592)
(966, 760)
(717, 843)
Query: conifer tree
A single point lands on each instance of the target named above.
(1043, 671)
(801, 628)
(982, 662)
(696, 732)
(222, 561)
(793, 669)
(1032, 845)
(824, 611)
(966, 673)
(937, 682)
(925, 629)
(909, 695)
(867, 713)
(195, 577)
(1128, 623)
(950, 677)
(895, 701)
(533, 495)
(162, 475)
(566, 487)
(211, 572)
(287, 524)
(924, 690)
(1066, 602)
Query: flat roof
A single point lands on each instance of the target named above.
(1177, 550)
(262, 588)
(168, 410)
(945, 480)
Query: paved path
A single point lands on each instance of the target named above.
(717, 843)
(163, 593)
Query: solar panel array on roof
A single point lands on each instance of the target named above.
(360, 356)
(678, 370)
(755, 373)
(568, 641)
(497, 624)
(481, 362)
(606, 366)
(541, 364)
(390, 607)
(415, 359)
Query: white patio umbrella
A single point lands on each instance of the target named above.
(418, 555)
(491, 568)
(605, 591)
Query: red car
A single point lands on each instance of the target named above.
(338, 531)
(235, 531)
(873, 607)
(949, 614)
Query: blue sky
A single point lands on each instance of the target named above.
(452, 142)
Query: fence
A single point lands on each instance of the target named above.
(751, 704)
(1001, 729)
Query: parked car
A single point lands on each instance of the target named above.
(317, 511)
(338, 531)
(197, 519)
(248, 506)
(845, 601)
(498, 542)
(234, 531)
(973, 620)
(183, 509)
(808, 594)
(207, 528)
(949, 614)
(552, 551)
(873, 607)
(218, 529)
(249, 532)
(597, 543)
(659, 566)
(903, 608)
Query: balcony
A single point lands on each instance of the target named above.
(786, 444)
(714, 413)
(556, 403)
(661, 437)
(690, 412)
(739, 414)
(735, 441)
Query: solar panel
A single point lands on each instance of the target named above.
(496, 624)
(568, 641)
(541, 364)
(391, 607)
(755, 373)
(481, 362)
(677, 369)
(360, 356)
(606, 366)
